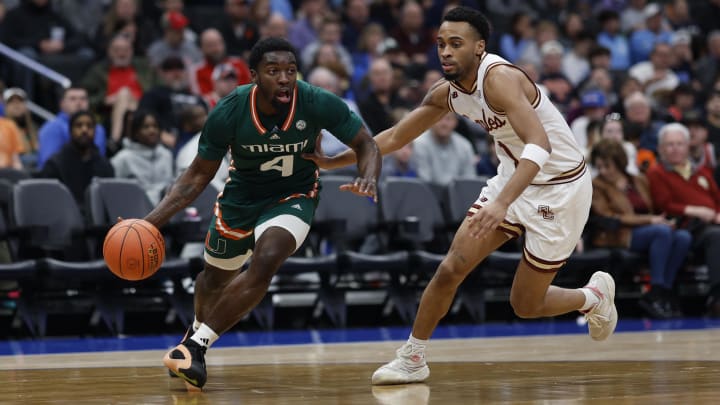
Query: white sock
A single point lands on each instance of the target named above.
(204, 336)
(196, 324)
(417, 344)
(591, 299)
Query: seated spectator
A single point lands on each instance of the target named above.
(238, 29)
(514, 42)
(689, 193)
(144, 158)
(224, 81)
(56, 133)
(173, 43)
(400, 163)
(682, 102)
(594, 106)
(192, 118)
(412, 35)
(167, 99)
(639, 112)
(613, 127)
(124, 17)
(17, 110)
(116, 84)
(707, 68)
(643, 40)
(212, 46)
(356, 16)
(682, 56)
(330, 34)
(702, 152)
(656, 75)
(78, 161)
(625, 198)
(383, 97)
(275, 27)
(612, 37)
(10, 144)
(712, 117)
(442, 154)
(575, 64)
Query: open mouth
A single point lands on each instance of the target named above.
(447, 66)
(283, 95)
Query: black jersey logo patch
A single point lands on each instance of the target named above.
(300, 125)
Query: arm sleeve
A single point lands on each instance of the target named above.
(216, 135)
(334, 115)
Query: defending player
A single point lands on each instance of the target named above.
(542, 189)
(268, 203)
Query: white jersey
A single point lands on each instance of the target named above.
(566, 162)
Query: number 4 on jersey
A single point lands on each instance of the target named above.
(283, 164)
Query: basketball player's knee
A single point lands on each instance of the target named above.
(525, 308)
(263, 267)
(449, 275)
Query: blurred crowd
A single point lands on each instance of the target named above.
(147, 73)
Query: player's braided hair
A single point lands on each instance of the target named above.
(266, 45)
(472, 17)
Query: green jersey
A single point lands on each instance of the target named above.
(266, 150)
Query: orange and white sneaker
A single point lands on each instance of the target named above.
(189, 332)
(187, 361)
(603, 317)
(408, 367)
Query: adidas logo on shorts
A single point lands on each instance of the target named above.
(297, 207)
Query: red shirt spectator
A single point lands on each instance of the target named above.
(213, 49)
(124, 76)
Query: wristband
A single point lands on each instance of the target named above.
(535, 154)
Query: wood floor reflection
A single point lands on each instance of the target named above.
(660, 367)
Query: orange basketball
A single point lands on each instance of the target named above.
(134, 249)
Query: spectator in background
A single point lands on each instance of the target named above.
(712, 118)
(551, 54)
(690, 194)
(83, 15)
(442, 154)
(594, 106)
(377, 107)
(144, 158)
(625, 198)
(682, 57)
(356, 17)
(643, 40)
(56, 133)
(575, 65)
(488, 162)
(702, 152)
(370, 47)
(17, 110)
(78, 161)
(633, 17)
(124, 17)
(329, 35)
(238, 30)
(613, 127)
(275, 27)
(10, 144)
(400, 163)
(412, 36)
(611, 37)
(192, 118)
(166, 100)
(655, 75)
(628, 86)
(212, 46)
(187, 154)
(545, 31)
(38, 32)
(682, 101)
(224, 79)
(639, 112)
(707, 69)
(116, 84)
(173, 43)
(514, 42)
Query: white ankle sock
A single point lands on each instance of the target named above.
(591, 299)
(417, 343)
(196, 324)
(204, 336)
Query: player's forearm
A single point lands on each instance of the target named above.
(525, 172)
(383, 140)
(185, 190)
(369, 160)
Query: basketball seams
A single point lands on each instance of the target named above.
(155, 233)
(142, 251)
(119, 247)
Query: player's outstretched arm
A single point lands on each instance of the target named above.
(369, 165)
(508, 89)
(433, 107)
(184, 191)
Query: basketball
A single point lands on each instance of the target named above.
(134, 249)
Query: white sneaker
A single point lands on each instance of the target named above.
(602, 318)
(408, 367)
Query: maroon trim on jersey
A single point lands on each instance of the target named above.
(536, 101)
(507, 152)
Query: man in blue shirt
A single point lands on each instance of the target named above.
(56, 133)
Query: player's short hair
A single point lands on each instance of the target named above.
(471, 16)
(266, 45)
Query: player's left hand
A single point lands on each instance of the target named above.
(362, 186)
(486, 219)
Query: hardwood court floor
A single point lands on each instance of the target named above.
(658, 367)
